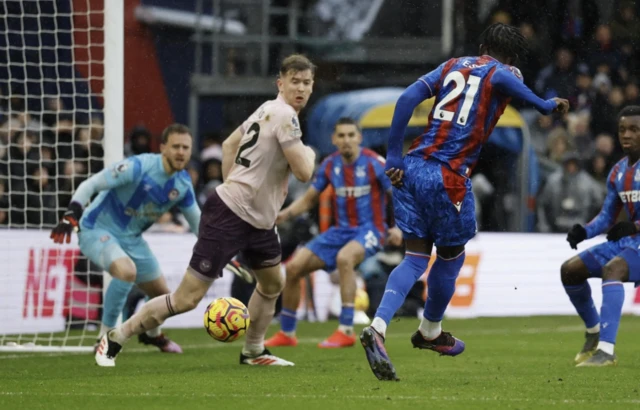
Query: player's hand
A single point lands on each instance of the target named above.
(69, 223)
(576, 234)
(283, 216)
(563, 105)
(394, 168)
(394, 236)
(622, 229)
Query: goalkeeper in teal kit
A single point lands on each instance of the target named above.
(132, 195)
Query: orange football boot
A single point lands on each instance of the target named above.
(338, 339)
(281, 339)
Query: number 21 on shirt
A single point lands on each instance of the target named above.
(469, 96)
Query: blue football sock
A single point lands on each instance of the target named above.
(612, 300)
(580, 296)
(114, 301)
(441, 284)
(346, 315)
(288, 320)
(400, 282)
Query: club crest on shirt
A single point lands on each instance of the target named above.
(360, 173)
(119, 169)
(104, 238)
(636, 177)
(173, 194)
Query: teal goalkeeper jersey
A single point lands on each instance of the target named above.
(134, 193)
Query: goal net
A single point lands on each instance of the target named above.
(53, 104)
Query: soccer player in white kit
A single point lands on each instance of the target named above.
(240, 217)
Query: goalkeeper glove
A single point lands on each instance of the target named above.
(622, 229)
(68, 224)
(576, 234)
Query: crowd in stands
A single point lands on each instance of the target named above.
(591, 59)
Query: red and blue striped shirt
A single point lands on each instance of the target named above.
(360, 189)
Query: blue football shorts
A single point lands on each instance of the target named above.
(435, 203)
(599, 255)
(103, 248)
(327, 245)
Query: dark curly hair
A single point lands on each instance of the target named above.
(502, 40)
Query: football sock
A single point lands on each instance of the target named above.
(580, 297)
(155, 332)
(441, 284)
(346, 319)
(400, 282)
(611, 310)
(261, 310)
(430, 330)
(104, 329)
(594, 329)
(288, 321)
(151, 315)
(606, 347)
(114, 300)
(380, 326)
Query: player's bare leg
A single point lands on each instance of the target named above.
(349, 256)
(190, 292)
(262, 306)
(574, 275)
(155, 337)
(303, 262)
(441, 284)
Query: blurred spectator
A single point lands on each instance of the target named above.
(570, 196)
(625, 27)
(604, 113)
(41, 199)
(584, 95)
(558, 144)
(632, 94)
(139, 142)
(540, 129)
(603, 55)
(598, 167)
(559, 78)
(211, 178)
(578, 127)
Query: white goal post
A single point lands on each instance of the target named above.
(61, 120)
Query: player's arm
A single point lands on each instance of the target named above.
(229, 151)
(311, 196)
(301, 158)
(191, 211)
(394, 234)
(407, 103)
(299, 206)
(119, 174)
(510, 84)
(605, 218)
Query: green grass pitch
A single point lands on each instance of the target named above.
(510, 363)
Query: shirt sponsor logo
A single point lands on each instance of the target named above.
(353, 191)
(629, 196)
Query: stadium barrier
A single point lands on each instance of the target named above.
(503, 275)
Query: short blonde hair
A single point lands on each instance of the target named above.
(296, 63)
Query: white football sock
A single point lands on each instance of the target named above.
(595, 329)
(430, 330)
(380, 326)
(347, 330)
(606, 347)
